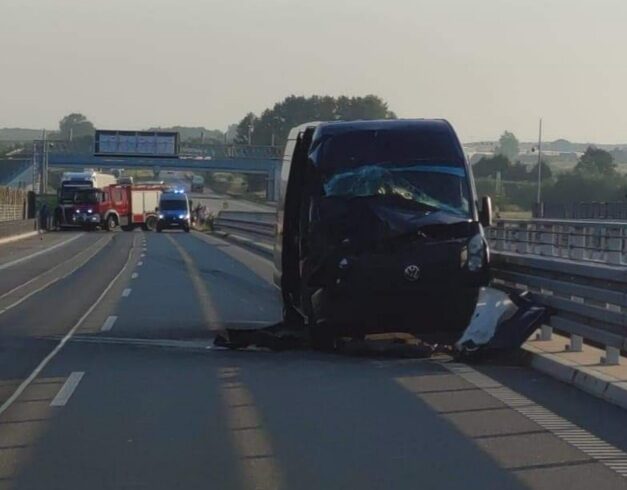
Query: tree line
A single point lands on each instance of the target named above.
(273, 125)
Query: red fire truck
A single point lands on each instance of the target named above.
(124, 205)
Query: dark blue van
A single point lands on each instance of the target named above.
(379, 229)
(174, 212)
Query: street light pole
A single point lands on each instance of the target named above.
(539, 196)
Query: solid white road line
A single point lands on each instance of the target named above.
(134, 275)
(50, 283)
(108, 324)
(67, 389)
(589, 444)
(126, 293)
(41, 252)
(30, 281)
(20, 389)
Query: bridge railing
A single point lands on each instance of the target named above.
(595, 241)
(187, 150)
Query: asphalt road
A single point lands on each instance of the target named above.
(108, 381)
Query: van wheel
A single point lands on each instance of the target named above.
(159, 227)
(111, 223)
(187, 229)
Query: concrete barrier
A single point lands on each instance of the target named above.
(11, 229)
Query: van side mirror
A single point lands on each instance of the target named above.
(485, 215)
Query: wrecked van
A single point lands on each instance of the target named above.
(379, 229)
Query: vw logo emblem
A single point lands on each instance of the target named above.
(412, 272)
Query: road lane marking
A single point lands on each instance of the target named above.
(108, 324)
(50, 283)
(209, 311)
(140, 263)
(592, 446)
(142, 255)
(40, 367)
(257, 457)
(126, 293)
(41, 252)
(134, 275)
(30, 281)
(67, 389)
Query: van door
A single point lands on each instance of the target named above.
(290, 280)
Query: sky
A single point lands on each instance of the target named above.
(486, 65)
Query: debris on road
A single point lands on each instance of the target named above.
(501, 323)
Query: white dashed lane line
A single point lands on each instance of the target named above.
(597, 449)
(134, 275)
(67, 389)
(108, 324)
(126, 293)
(140, 263)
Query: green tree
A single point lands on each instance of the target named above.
(596, 161)
(490, 166)
(508, 146)
(576, 186)
(274, 124)
(547, 173)
(245, 129)
(75, 125)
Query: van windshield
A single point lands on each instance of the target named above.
(357, 148)
(434, 187)
(172, 205)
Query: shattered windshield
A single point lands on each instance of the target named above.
(438, 187)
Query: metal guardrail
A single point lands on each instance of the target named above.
(574, 268)
(259, 225)
(588, 300)
(597, 241)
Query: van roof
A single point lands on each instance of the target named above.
(337, 127)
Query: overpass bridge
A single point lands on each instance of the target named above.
(264, 160)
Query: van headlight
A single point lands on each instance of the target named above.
(160, 216)
(475, 253)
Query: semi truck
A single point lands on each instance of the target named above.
(78, 189)
(125, 205)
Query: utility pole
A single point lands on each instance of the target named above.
(539, 196)
(44, 166)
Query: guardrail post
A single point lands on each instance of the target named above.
(576, 243)
(612, 356)
(547, 239)
(522, 247)
(576, 343)
(500, 236)
(614, 246)
(546, 333)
